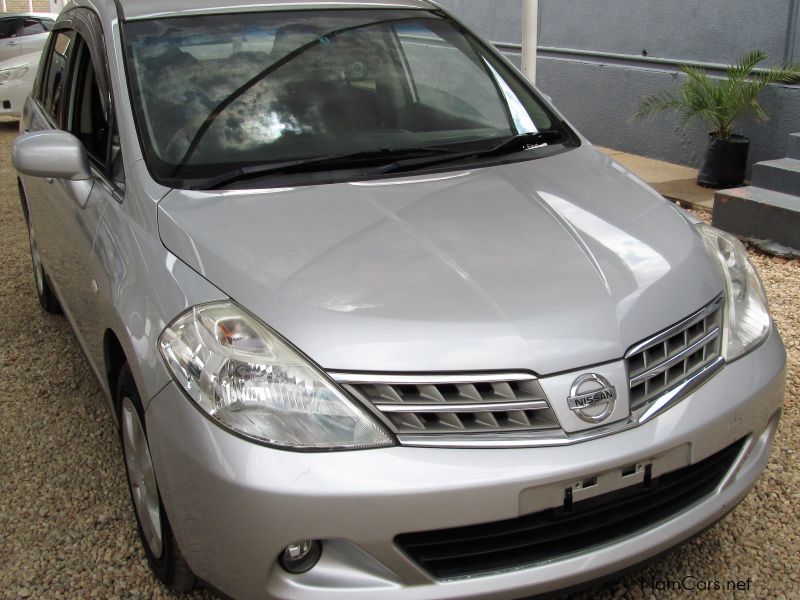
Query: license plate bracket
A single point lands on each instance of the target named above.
(567, 492)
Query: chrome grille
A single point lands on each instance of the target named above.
(448, 404)
(670, 358)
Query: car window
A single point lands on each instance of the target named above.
(9, 28)
(52, 93)
(47, 24)
(88, 120)
(215, 93)
(32, 27)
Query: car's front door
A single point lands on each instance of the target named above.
(45, 195)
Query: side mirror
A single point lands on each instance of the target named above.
(51, 154)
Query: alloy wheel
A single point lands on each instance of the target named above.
(141, 477)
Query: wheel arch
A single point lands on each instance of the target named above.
(114, 359)
(23, 200)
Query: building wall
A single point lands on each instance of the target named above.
(22, 6)
(591, 63)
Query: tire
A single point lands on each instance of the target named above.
(160, 547)
(47, 297)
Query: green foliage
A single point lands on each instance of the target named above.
(720, 102)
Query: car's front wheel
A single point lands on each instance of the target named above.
(160, 546)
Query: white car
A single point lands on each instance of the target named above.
(23, 33)
(17, 76)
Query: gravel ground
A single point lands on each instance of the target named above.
(67, 530)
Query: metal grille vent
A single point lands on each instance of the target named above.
(449, 404)
(672, 357)
(559, 532)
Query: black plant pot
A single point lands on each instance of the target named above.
(725, 162)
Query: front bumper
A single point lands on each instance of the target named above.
(12, 97)
(234, 505)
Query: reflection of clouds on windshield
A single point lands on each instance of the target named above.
(268, 128)
(313, 94)
(186, 91)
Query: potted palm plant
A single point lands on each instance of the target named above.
(720, 102)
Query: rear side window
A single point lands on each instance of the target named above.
(32, 27)
(9, 28)
(52, 96)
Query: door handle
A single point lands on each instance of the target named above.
(13, 43)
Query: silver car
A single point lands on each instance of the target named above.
(374, 320)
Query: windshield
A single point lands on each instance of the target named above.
(215, 94)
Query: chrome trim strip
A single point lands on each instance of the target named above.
(687, 322)
(679, 392)
(681, 356)
(479, 440)
(440, 407)
(377, 378)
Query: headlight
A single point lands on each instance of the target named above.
(11, 74)
(250, 381)
(747, 320)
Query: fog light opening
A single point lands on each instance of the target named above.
(300, 557)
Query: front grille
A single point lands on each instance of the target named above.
(673, 356)
(458, 404)
(558, 532)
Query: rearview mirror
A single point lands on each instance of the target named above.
(52, 154)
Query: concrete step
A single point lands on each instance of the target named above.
(781, 175)
(794, 146)
(760, 214)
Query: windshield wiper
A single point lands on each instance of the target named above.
(525, 141)
(390, 160)
(515, 143)
(334, 161)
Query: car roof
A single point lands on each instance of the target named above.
(146, 9)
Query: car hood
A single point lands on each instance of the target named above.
(545, 265)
